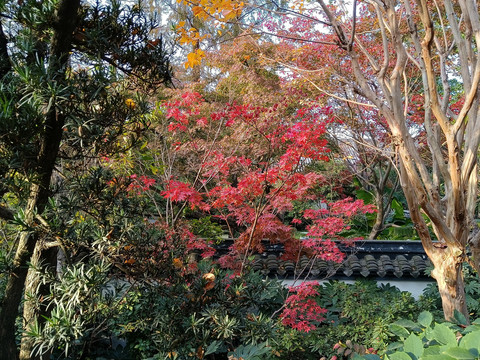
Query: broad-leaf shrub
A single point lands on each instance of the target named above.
(428, 340)
(205, 228)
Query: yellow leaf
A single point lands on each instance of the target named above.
(185, 40)
(191, 61)
(194, 59)
(197, 10)
(130, 103)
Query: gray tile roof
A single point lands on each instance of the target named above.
(368, 259)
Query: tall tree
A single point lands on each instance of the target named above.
(65, 21)
(439, 176)
(58, 63)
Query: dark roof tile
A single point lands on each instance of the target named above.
(384, 259)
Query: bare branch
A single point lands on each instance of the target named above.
(352, 35)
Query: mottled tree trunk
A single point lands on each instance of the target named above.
(448, 274)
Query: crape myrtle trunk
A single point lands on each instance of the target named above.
(447, 258)
(50, 138)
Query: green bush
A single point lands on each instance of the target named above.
(84, 304)
(210, 313)
(205, 313)
(358, 313)
(426, 340)
(203, 318)
(206, 229)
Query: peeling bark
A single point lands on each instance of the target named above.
(448, 274)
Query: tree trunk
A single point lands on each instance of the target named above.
(33, 309)
(448, 273)
(379, 225)
(5, 65)
(446, 258)
(13, 297)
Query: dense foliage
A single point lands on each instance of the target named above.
(212, 313)
(203, 314)
(358, 313)
(426, 340)
(118, 179)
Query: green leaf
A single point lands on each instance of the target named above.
(400, 356)
(433, 350)
(213, 347)
(471, 328)
(366, 357)
(444, 335)
(471, 342)
(409, 324)
(459, 353)
(425, 318)
(366, 196)
(460, 318)
(147, 157)
(394, 346)
(437, 357)
(250, 352)
(414, 345)
(398, 209)
(398, 330)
